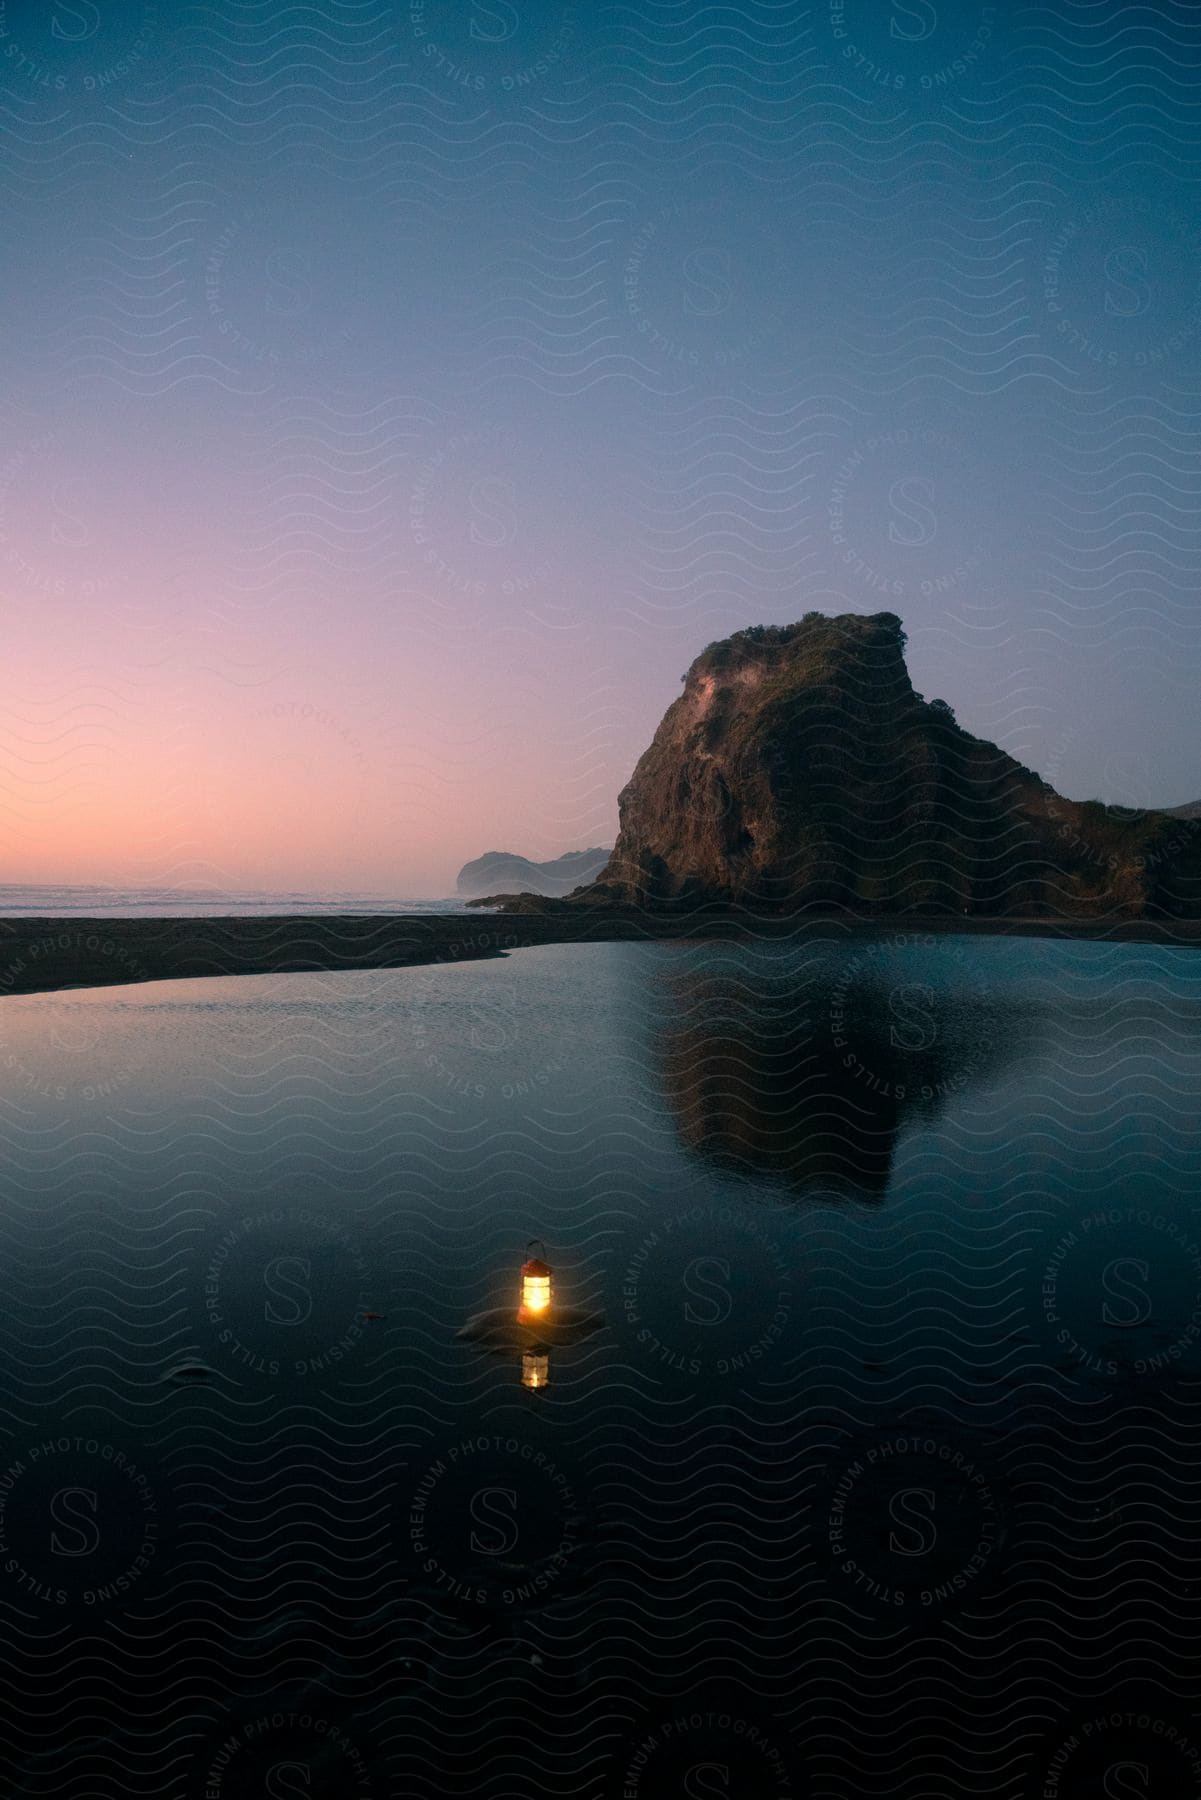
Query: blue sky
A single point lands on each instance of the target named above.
(456, 372)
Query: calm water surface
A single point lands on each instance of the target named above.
(894, 1256)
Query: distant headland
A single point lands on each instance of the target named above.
(498, 869)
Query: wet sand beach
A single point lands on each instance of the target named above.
(42, 955)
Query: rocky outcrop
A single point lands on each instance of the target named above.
(799, 770)
(498, 869)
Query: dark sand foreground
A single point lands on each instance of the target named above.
(39, 955)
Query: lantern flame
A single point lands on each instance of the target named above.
(535, 1290)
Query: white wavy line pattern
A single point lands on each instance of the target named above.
(705, 1598)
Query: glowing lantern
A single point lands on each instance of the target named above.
(535, 1369)
(535, 1288)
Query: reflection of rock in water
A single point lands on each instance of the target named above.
(807, 1078)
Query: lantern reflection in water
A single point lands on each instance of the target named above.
(535, 1369)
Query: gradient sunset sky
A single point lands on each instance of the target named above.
(397, 396)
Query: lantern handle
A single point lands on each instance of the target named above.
(531, 1244)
